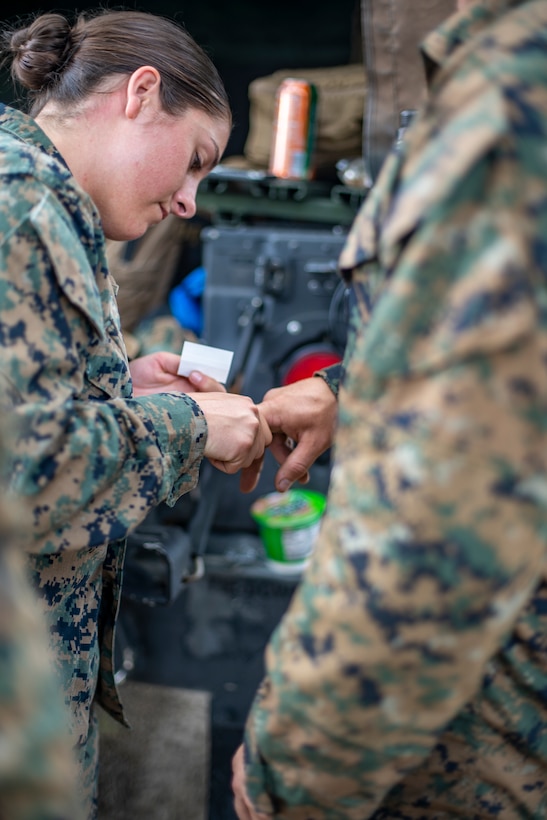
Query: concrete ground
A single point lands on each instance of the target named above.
(158, 769)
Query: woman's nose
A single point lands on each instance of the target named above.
(183, 204)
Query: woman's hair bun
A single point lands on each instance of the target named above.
(40, 51)
(62, 61)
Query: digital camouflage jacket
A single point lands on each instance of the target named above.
(90, 460)
(408, 678)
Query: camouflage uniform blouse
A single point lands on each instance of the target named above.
(408, 678)
(91, 460)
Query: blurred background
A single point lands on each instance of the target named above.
(249, 39)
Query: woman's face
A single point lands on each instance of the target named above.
(136, 162)
(154, 167)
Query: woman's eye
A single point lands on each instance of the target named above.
(197, 164)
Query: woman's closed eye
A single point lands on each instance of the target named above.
(197, 163)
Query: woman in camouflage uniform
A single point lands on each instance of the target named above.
(127, 115)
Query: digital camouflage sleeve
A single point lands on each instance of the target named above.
(408, 678)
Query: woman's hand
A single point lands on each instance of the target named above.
(157, 373)
(237, 435)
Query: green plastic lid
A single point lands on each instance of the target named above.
(290, 510)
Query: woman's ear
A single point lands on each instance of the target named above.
(143, 89)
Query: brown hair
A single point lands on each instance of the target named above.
(62, 62)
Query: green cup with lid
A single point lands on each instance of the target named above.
(288, 524)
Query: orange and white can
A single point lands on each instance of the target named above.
(291, 155)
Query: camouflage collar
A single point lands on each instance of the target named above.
(23, 127)
(460, 27)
